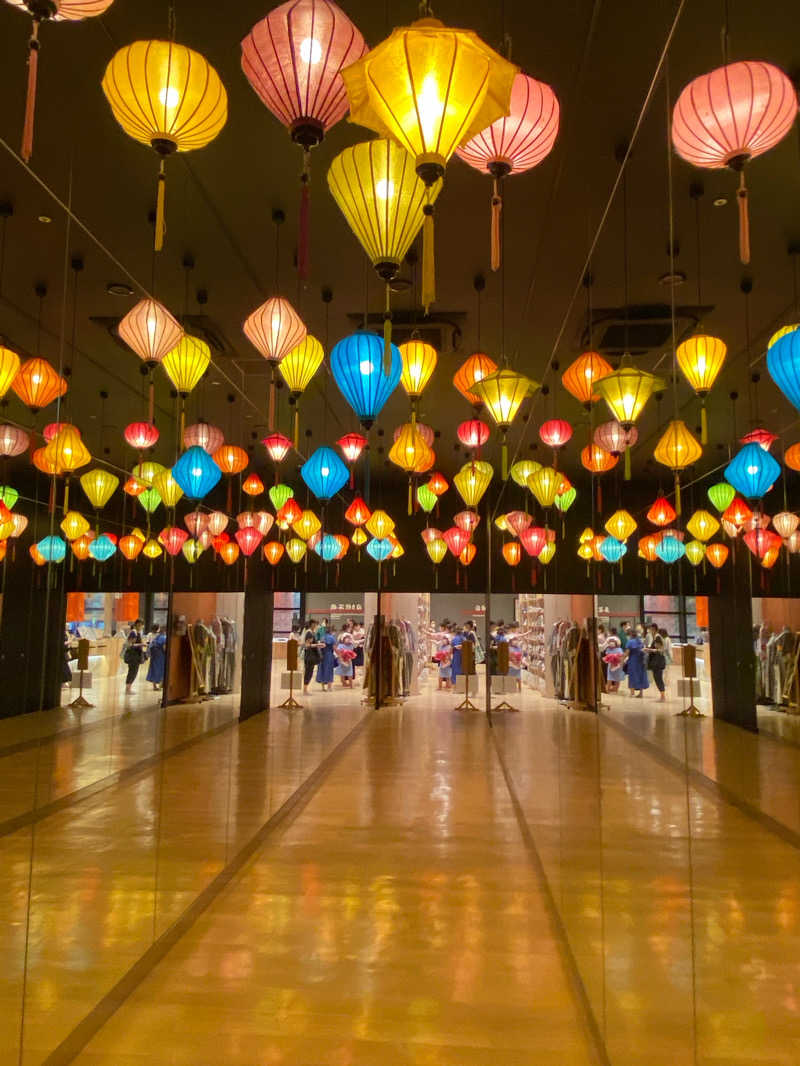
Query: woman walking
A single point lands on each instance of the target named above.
(657, 662)
(157, 649)
(637, 673)
(132, 657)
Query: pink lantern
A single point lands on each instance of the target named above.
(204, 540)
(202, 435)
(141, 435)
(217, 523)
(424, 431)
(274, 329)
(13, 441)
(533, 539)
(173, 538)
(518, 521)
(277, 446)
(793, 544)
(52, 430)
(197, 523)
(456, 540)
(429, 533)
(761, 541)
(467, 521)
(615, 438)
(264, 522)
(730, 116)
(473, 433)
(515, 143)
(248, 539)
(760, 436)
(555, 433)
(786, 523)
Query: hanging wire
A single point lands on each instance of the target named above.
(6, 211)
(671, 201)
(626, 265)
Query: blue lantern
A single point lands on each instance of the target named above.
(53, 549)
(612, 549)
(102, 548)
(380, 549)
(783, 364)
(327, 547)
(752, 471)
(324, 473)
(196, 473)
(358, 369)
(670, 549)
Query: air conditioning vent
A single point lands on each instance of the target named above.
(201, 326)
(442, 330)
(647, 328)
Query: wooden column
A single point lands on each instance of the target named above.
(730, 629)
(256, 646)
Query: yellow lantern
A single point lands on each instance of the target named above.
(436, 549)
(167, 488)
(695, 552)
(297, 368)
(701, 358)
(66, 451)
(398, 551)
(9, 368)
(522, 470)
(186, 364)
(677, 449)
(191, 550)
(472, 481)
(99, 486)
(411, 453)
(74, 525)
(588, 534)
(585, 550)
(146, 472)
(295, 549)
(702, 525)
(359, 537)
(152, 549)
(306, 525)
(501, 522)
(503, 392)
(547, 552)
(168, 96)
(380, 525)
(620, 525)
(627, 390)
(419, 363)
(544, 484)
(430, 88)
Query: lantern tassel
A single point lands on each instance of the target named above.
(410, 498)
(161, 199)
(303, 225)
(703, 424)
(296, 430)
(30, 101)
(627, 464)
(677, 494)
(497, 207)
(387, 333)
(428, 259)
(504, 459)
(744, 220)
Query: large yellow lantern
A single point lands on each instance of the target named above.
(419, 363)
(99, 486)
(472, 481)
(430, 88)
(503, 392)
(380, 525)
(544, 484)
(9, 368)
(186, 364)
(152, 549)
(167, 488)
(702, 525)
(66, 451)
(620, 525)
(701, 358)
(306, 525)
(168, 96)
(677, 449)
(297, 368)
(627, 390)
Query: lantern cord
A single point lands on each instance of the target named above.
(271, 409)
(303, 255)
(497, 207)
(161, 197)
(626, 267)
(30, 101)
(703, 422)
(428, 258)
(744, 220)
(697, 246)
(387, 332)
(671, 203)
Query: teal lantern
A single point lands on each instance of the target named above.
(324, 473)
(721, 495)
(102, 548)
(380, 549)
(359, 369)
(53, 549)
(670, 549)
(752, 471)
(612, 549)
(327, 547)
(279, 494)
(196, 473)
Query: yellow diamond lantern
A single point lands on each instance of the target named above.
(74, 525)
(99, 486)
(472, 481)
(502, 393)
(152, 549)
(702, 525)
(620, 525)
(677, 448)
(306, 525)
(627, 390)
(359, 537)
(380, 525)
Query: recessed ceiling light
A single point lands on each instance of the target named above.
(46, 219)
(118, 288)
(720, 201)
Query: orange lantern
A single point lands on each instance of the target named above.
(512, 552)
(580, 376)
(468, 553)
(229, 552)
(37, 384)
(662, 512)
(597, 459)
(130, 546)
(717, 554)
(737, 513)
(358, 512)
(438, 484)
(477, 367)
(80, 546)
(231, 459)
(253, 485)
(273, 552)
(792, 456)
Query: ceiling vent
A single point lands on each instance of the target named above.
(201, 326)
(647, 328)
(442, 330)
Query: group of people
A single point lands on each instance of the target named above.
(331, 653)
(635, 651)
(142, 647)
(448, 640)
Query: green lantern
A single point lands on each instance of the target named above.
(566, 499)
(279, 494)
(149, 499)
(8, 496)
(721, 494)
(426, 498)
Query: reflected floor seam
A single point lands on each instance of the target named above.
(703, 781)
(72, 1045)
(81, 795)
(71, 731)
(592, 1029)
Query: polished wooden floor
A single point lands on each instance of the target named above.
(402, 887)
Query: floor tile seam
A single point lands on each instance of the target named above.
(592, 1032)
(702, 781)
(80, 1036)
(72, 731)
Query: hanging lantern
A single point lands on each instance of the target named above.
(278, 446)
(19, 523)
(13, 441)
(37, 384)
(472, 371)
(80, 546)
(8, 496)
(146, 472)
(358, 512)
(700, 359)
(102, 548)
(621, 525)
(52, 430)
(783, 364)
(702, 525)
(580, 376)
(429, 533)
(456, 540)
(410, 449)
(352, 445)
(359, 537)
(430, 88)
(627, 390)
(438, 484)
(770, 557)
(380, 525)
(253, 485)
(379, 549)
(695, 552)
(186, 363)
(730, 116)
(37, 556)
(597, 460)
(229, 552)
(217, 523)
(173, 539)
(52, 549)
(585, 551)
(737, 513)
(149, 499)
(436, 549)
(279, 494)
(793, 544)
(513, 144)
(467, 520)
(547, 552)
(293, 59)
(192, 551)
(670, 549)
(274, 329)
(544, 485)
(344, 544)
(512, 552)
(473, 434)
(324, 473)
(533, 539)
(295, 549)
(152, 549)
(468, 553)
(74, 525)
(761, 541)
(168, 96)
(290, 513)
(359, 369)
(141, 435)
(419, 362)
(426, 499)
(612, 549)
(752, 472)
(616, 439)
(151, 332)
(307, 525)
(248, 539)
(518, 522)
(231, 459)
(472, 481)
(196, 522)
(502, 393)
(762, 437)
(721, 495)
(99, 486)
(555, 433)
(66, 451)
(522, 470)
(785, 523)
(168, 488)
(202, 435)
(195, 473)
(662, 513)
(758, 521)
(565, 500)
(677, 449)
(9, 368)
(647, 547)
(297, 368)
(41, 461)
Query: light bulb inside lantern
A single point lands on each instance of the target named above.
(365, 366)
(324, 470)
(196, 471)
(430, 109)
(384, 189)
(36, 378)
(169, 96)
(310, 51)
(752, 470)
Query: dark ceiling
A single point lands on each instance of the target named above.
(600, 58)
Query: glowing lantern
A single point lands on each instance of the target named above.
(66, 451)
(670, 549)
(99, 486)
(783, 364)
(555, 433)
(762, 437)
(274, 329)
(616, 439)
(419, 362)
(472, 481)
(186, 363)
(13, 441)
(131, 546)
(248, 539)
(473, 434)
(37, 384)
(677, 449)
(168, 488)
(580, 376)
(409, 449)
(231, 459)
(702, 525)
(277, 446)
(502, 393)
(729, 116)
(195, 474)
(150, 331)
(279, 494)
(429, 533)
(229, 552)
(426, 499)
(701, 358)
(620, 525)
(522, 470)
(147, 471)
(8, 496)
(472, 371)
(627, 390)
(533, 539)
(307, 525)
(438, 484)
(380, 525)
(456, 540)
(359, 537)
(721, 495)
(662, 512)
(324, 473)
(80, 546)
(785, 523)
(74, 525)
(141, 435)
(102, 548)
(612, 549)
(295, 549)
(37, 556)
(770, 557)
(173, 538)
(512, 552)
(564, 500)
(358, 512)
(192, 551)
(52, 549)
(544, 484)
(597, 459)
(467, 520)
(380, 549)
(53, 429)
(647, 547)
(297, 368)
(585, 551)
(360, 371)
(152, 549)
(436, 549)
(290, 513)
(217, 523)
(253, 485)
(752, 471)
(168, 96)
(202, 435)
(518, 521)
(761, 541)
(793, 543)
(149, 499)
(737, 513)
(515, 143)
(9, 368)
(42, 462)
(467, 554)
(344, 544)
(352, 445)
(695, 552)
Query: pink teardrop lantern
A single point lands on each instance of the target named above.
(205, 436)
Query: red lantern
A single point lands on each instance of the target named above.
(277, 446)
(473, 433)
(352, 445)
(737, 512)
(196, 522)
(218, 542)
(555, 433)
(467, 521)
(248, 539)
(727, 117)
(289, 513)
(253, 485)
(173, 538)
(662, 512)
(52, 430)
(438, 484)
(760, 436)
(141, 435)
(358, 512)
(533, 539)
(512, 552)
(273, 552)
(455, 539)
(762, 541)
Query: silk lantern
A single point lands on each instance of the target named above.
(752, 471)
(761, 436)
(522, 470)
(700, 359)
(37, 384)
(695, 552)
(74, 525)
(512, 552)
(533, 539)
(618, 440)
(13, 441)
(518, 521)
(151, 332)
(380, 524)
(721, 495)
(168, 96)
(358, 512)
(737, 513)
(411, 453)
(502, 393)
(436, 549)
(102, 548)
(456, 540)
(290, 513)
(185, 366)
(702, 525)
(379, 549)
(580, 376)
(627, 390)
(473, 434)
(167, 488)
(352, 445)
(9, 368)
(295, 549)
(196, 522)
(152, 549)
(597, 460)
(297, 368)
(677, 449)
(612, 549)
(360, 371)
(555, 433)
(670, 549)
(141, 435)
(274, 328)
(201, 434)
(785, 523)
(783, 364)
(544, 485)
(621, 525)
(473, 370)
(52, 549)
(419, 362)
(196, 473)
(426, 499)
(248, 539)
(232, 460)
(324, 473)
(467, 520)
(279, 494)
(472, 481)
(253, 485)
(438, 484)
(307, 525)
(131, 547)
(99, 486)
